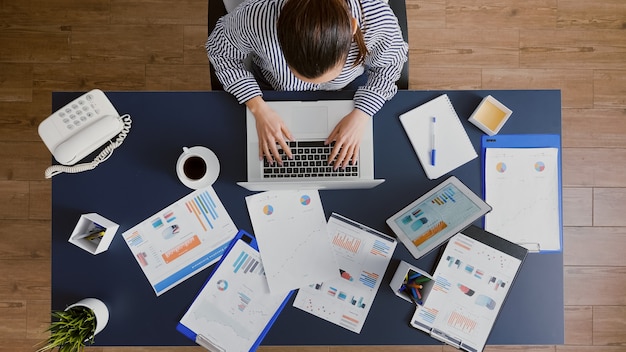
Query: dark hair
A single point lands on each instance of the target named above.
(315, 35)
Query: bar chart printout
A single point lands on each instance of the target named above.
(471, 283)
(181, 239)
(235, 305)
(363, 255)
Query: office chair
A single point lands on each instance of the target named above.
(217, 9)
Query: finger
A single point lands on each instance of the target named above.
(267, 154)
(355, 156)
(286, 149)
(274, 150)
(347, 157)
(261, 150)
(333, 154)
(341, 157)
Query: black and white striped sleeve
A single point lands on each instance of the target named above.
(387, 54)
(228, 46)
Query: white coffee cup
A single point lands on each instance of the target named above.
(197, 167)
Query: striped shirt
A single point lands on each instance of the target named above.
(251, 29)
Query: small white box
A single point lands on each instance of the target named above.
(490, 115)
(399, 279)
(93, 233)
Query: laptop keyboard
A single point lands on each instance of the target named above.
(309, 160)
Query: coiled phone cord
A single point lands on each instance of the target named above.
(103, 156)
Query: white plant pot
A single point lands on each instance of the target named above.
(99, 309)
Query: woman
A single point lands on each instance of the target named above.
(298, 45)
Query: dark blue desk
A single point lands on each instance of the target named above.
(140, 179)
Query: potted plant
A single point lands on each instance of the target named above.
(76, 326)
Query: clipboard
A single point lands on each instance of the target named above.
(469, 288)
(529, 141)
(240, 253)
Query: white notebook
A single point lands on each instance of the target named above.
(453, 146)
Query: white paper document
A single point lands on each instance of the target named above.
(182, 239)
(290, 229)
(471, 283)
(363, 255)
(235, 305)
(521, 184)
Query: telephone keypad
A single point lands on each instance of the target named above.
(79, 112)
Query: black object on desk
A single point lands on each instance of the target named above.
(140, 179)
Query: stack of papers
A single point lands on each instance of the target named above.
(338, 265)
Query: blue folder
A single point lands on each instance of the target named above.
(251, 241)
(528, 141)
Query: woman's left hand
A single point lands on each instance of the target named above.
(347, 137)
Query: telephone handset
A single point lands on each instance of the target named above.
(81, 127)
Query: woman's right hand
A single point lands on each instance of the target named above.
(271, 130)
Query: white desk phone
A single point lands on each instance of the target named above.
(81, 127)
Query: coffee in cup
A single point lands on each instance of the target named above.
(197, 167)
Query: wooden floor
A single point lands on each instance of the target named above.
(578, 46)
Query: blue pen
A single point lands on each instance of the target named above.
(433, 150)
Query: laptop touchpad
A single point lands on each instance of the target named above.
(309, 119)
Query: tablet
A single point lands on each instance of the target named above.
(436, 216)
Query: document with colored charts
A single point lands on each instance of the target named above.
(522, 186)
(182, 239)
(472, 280)
(290, 228)
(363, 255)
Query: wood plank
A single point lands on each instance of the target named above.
(468, 48)
(594, 348)
(178, 77)
(610, 88)
(588, 167)
(576, 85)
(609, 207)
(609, 324)
(291, 348)
(141, 44)
(425, 14)
(194, 46)
(23, 160)
(64, 13)
(578, 325)
(34, 44)
(577, 206)
(599, 127)
(574, 49)
(383, 348)
(14, 198)
(594, 286)
(25, 279)
(13, 319)
(20, 119)
(186, 12)
(604, 14)
(594, 246)
(443, 78)
(16, 82)
(86, 76)
(508, 348)
(502, 14)
(37, 319)
(40, 201)
(30, 240)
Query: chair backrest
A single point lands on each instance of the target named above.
(399, 9)
(219, 8)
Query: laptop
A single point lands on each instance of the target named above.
(310, 123)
